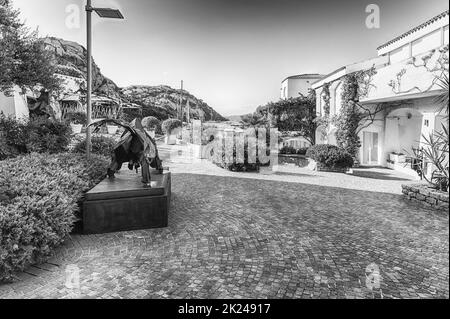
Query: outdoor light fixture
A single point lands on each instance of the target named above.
(108, 13)
(102, 13)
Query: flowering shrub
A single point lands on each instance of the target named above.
(39, 197)
(330, 156)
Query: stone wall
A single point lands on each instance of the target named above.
(426, 195)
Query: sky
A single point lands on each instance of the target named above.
(233, 54)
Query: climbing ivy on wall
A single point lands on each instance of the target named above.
(352, 115)
(326, 98)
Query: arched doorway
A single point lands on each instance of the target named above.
(403, 131)
(321, 135)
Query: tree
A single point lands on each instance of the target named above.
(293, 115)
(23, 59)
(254, 120)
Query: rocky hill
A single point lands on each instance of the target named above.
(160, 101)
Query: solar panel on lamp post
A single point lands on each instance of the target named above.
(102, 13)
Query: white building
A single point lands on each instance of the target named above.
(14, 105)
(297, 85)
(408, 69)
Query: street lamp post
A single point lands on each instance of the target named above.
(103, 13)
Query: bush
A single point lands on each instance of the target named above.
(76, 118)
(234, 163)
(13, 137)
(40, 135)
(288, 150)
(47, 136)
(302, 151)
(152, 123)
(100, 145)
(330, 156)
(171, 124)
(39, 196)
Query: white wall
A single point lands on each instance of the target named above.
(446, 39)
(21, 106)
(430, 41)
(399, 54)
(15, 106)
(7, 105)
(292, 88)
(284, 90)
(439, 24)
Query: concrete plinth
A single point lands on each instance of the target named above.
(124, 203)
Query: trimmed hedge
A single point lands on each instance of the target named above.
(288, 150)
(41, 136)
(100, 145)
(39, 197)
(231, 163)
(330, 156)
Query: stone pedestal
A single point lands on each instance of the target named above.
(124, 203)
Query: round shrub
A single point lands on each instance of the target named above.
(152, 123)
(330, 156)
(171, 124)
(101, 145)
(39, 196)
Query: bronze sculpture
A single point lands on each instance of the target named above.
(135, 147)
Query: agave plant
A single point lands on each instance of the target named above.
(443, 99)
(435, 151)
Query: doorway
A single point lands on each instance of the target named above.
(370, 148)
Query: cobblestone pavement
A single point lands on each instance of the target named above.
(261, 237)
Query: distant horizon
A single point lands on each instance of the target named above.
(231, 54)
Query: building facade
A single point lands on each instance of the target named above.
(402, 92)
(297, 85)
(14, 104)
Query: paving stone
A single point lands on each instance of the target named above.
(263, 237)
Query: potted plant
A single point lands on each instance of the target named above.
(397, 157)
(171, 128)
(112, 129)
(77, 121)
(151, 124)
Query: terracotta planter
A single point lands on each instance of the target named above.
(76, 128)
(396, 158)
(171, 139)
